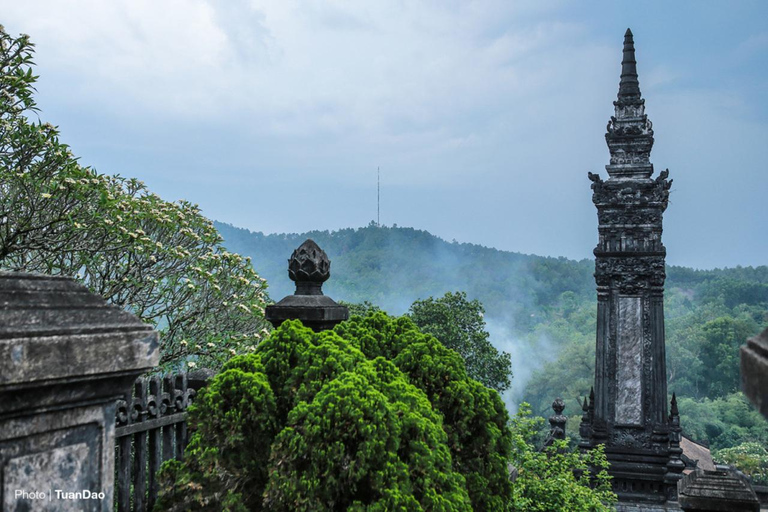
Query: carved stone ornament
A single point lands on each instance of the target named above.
(309, 263)
(309, 267)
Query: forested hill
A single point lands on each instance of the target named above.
(542, 310)
(393, 266)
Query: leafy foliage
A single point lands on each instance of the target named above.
(459, 325)
(724, 422)
(751, 458)
(161, 260)
(374, 415)
(547, 480)
(549, 306)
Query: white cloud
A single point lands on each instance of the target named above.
(493, 107)
(294, 68)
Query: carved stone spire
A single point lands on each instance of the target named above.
(628, 411)
(557, 423)
(629, 132)
(629, 87)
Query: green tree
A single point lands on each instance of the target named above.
(458, 324)
(724, 422)
(160, 260)
(751, 458)
(360, 309)
(547, 480)
(374, 415)
(720, 353)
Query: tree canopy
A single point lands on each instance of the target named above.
(458, 324)
(556, 479)
(374, 415)
(161, 260)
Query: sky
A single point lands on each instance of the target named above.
(483, 117)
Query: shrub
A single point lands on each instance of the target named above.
(374, 415)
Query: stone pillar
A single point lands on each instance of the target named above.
(66, 357)
(754, 371)
(630, 405)
(556, 423)
(309, 267)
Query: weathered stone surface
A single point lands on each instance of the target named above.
(629, 406)
(65, 358)
(670, 506)
(754, 371)
(309, 267)
(721, 491)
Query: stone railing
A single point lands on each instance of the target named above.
(151, 428)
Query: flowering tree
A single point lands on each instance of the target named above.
(162, 261)
(749, 457)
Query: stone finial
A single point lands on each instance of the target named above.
(309, 267)
(629, 87)
(585, 427)
(673, 411)
(557, 422)
(629, 133)
(675, 465)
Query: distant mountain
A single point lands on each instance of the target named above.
(542, 310)
(393, 266)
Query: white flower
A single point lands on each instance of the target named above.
(191, 364)
(46, 195)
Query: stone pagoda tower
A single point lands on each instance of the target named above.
(627, 411)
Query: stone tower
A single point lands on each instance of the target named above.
(627, 412)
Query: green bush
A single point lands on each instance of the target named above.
(546, 480)
(371, 416)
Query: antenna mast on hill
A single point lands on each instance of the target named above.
(378, 197)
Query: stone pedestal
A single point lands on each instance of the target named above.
(309, 267)
(717, 491)
(65, 358)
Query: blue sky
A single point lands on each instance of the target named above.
(484, 117)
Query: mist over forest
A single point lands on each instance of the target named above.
(542, 311)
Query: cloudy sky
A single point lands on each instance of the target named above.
(484, 117)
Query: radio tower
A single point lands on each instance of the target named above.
(378, 197)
